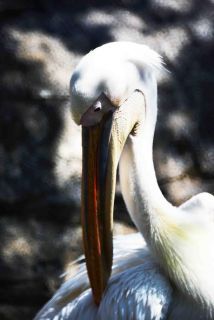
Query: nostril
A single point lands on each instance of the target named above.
(97, 109)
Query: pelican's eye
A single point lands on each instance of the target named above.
(97, 106)
(94, 114)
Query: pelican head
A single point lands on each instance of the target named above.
(108, 91)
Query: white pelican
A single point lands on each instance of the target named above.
(170, 274)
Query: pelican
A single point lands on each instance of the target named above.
(166, 271)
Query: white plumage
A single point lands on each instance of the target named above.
(136, 281)
(114, 71)
(174, 278)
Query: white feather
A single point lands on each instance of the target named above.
(180, 239)
(113, 69)
(136, 289)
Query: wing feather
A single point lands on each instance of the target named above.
(202, 204)
(136, 288)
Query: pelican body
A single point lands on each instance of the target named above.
(166, 271)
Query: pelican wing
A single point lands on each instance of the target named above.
(200, 203)
(137, 289)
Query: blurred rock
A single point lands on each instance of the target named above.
(40, 154)
(39, 151)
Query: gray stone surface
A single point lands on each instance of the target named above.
(40, 155)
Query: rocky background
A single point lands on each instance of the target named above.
(40, 155)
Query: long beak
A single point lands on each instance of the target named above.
(102, 147)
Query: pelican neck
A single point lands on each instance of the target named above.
(142, 195)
